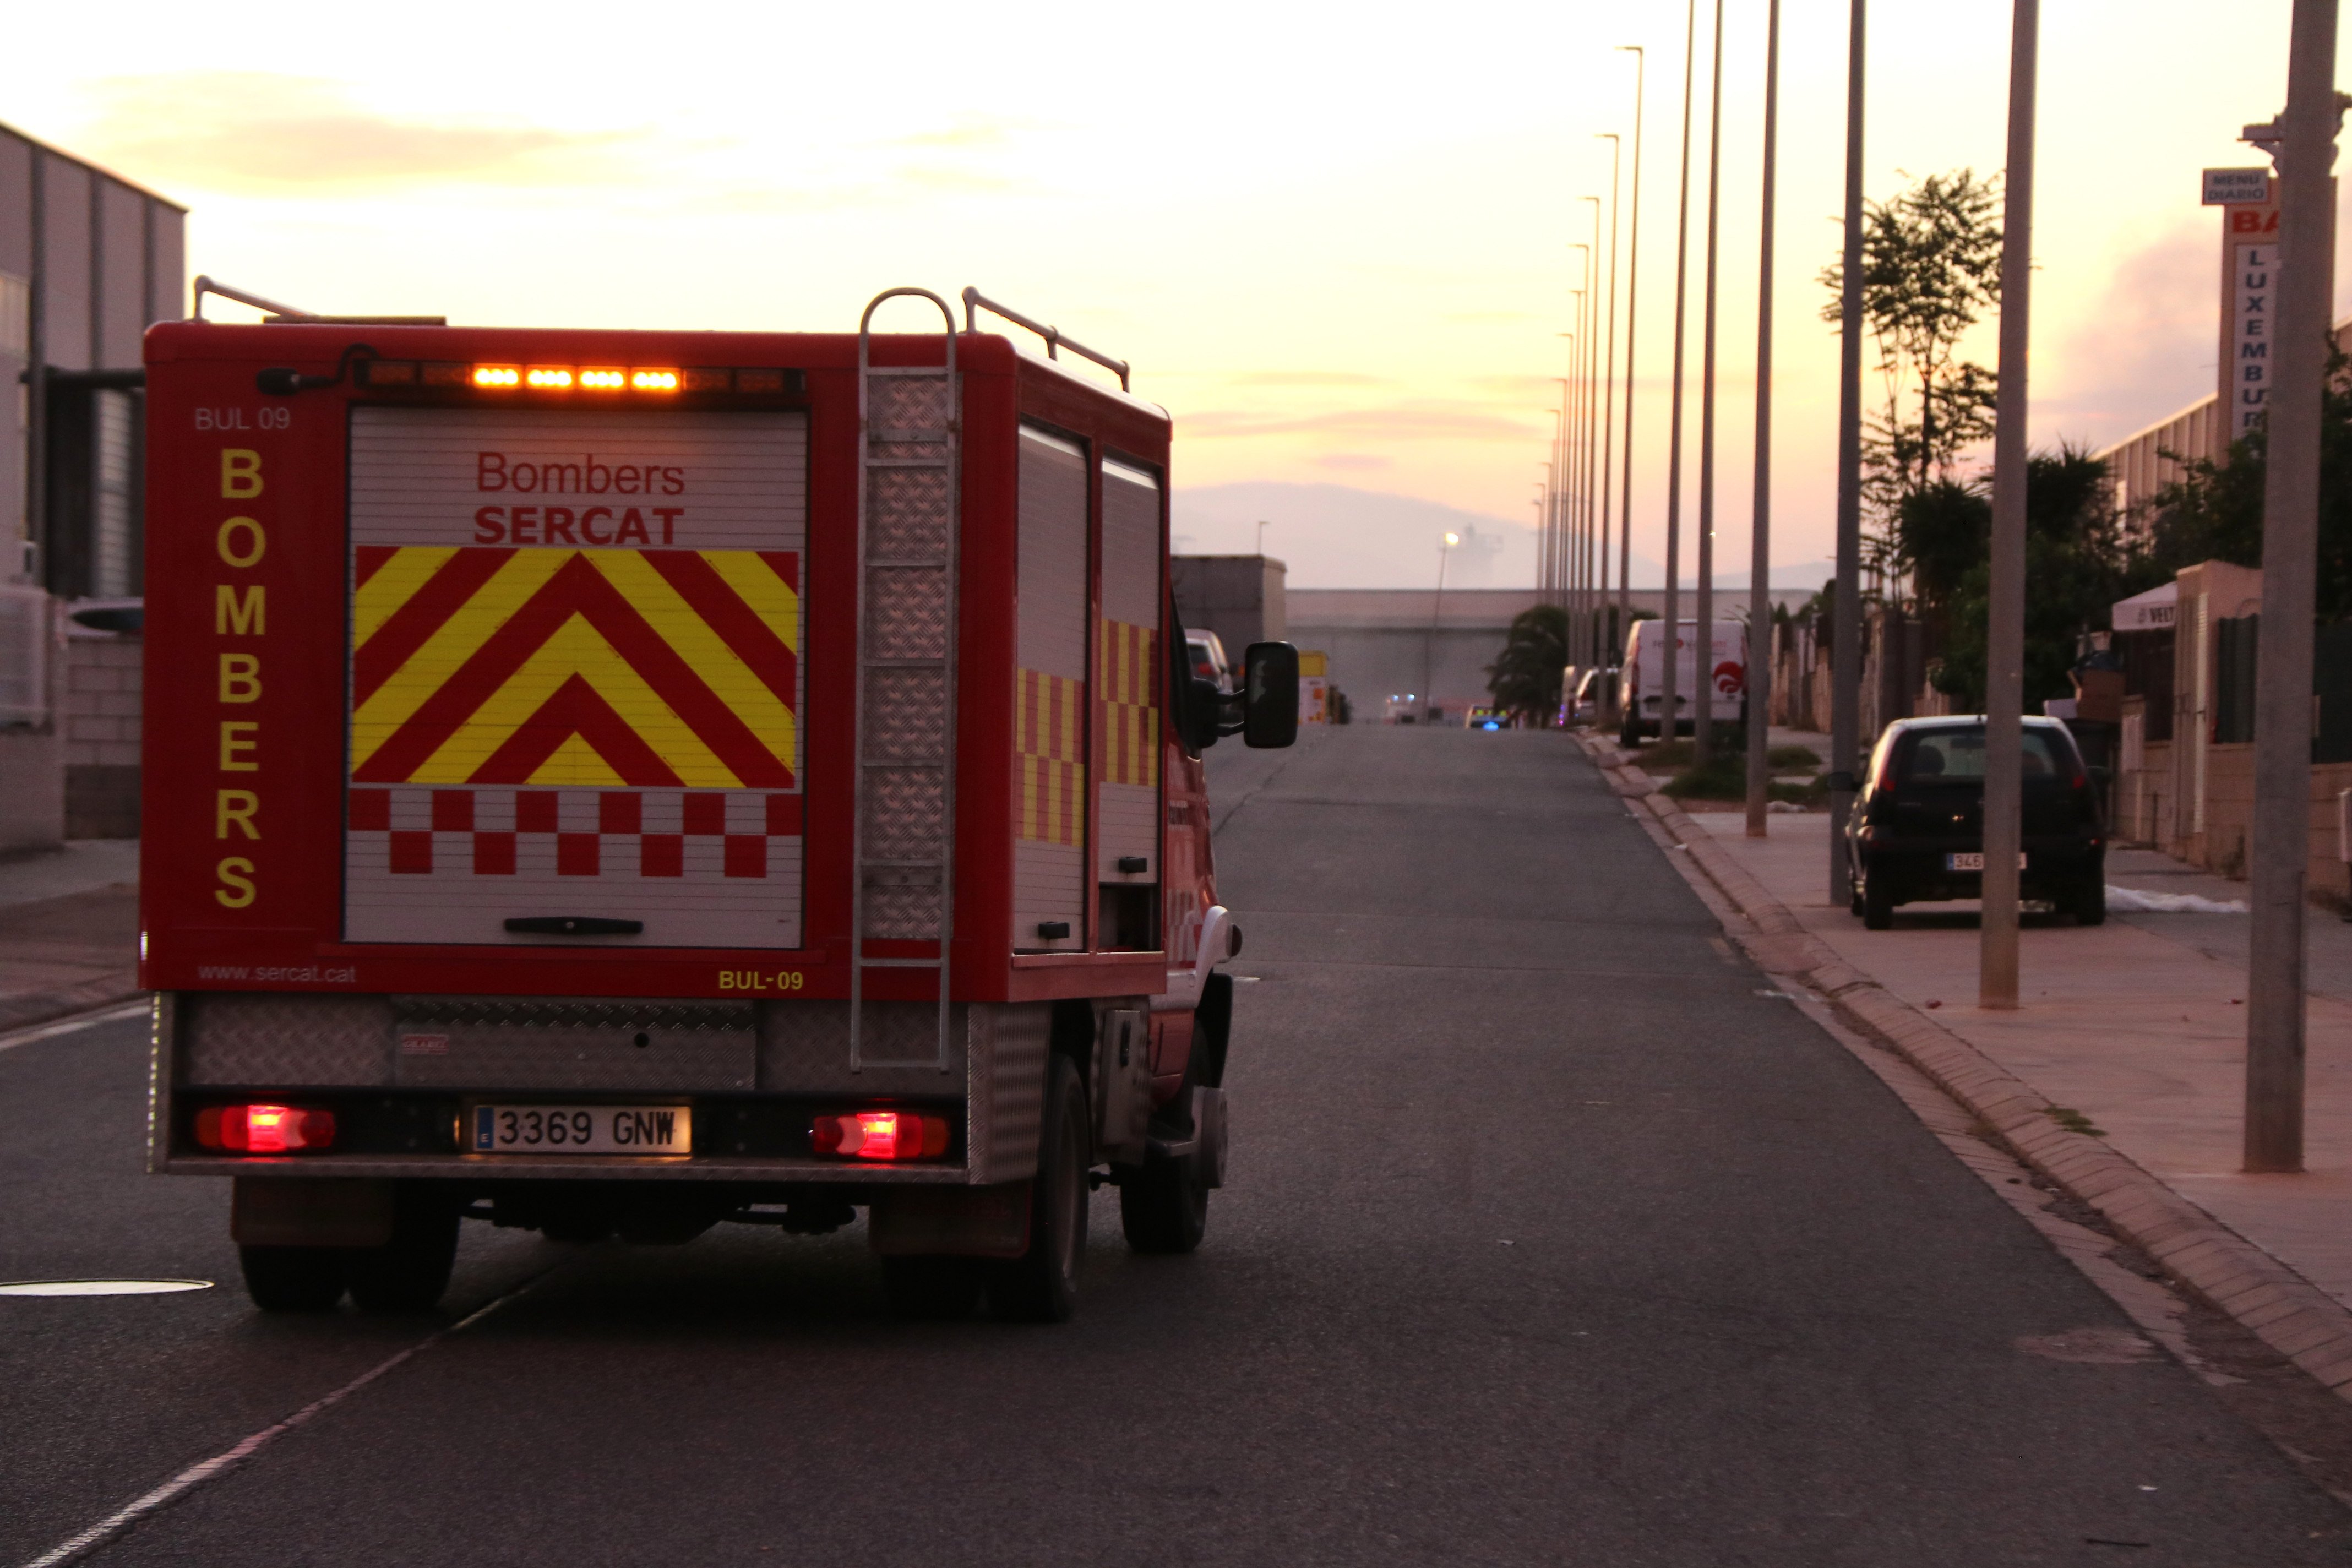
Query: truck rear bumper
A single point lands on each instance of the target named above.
(490, 1168)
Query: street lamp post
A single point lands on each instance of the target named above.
(1589, 639)
(2305, 138)
(1604, 709)
(2005, 609)
(1632, 287)
(1436, 612)
(1759, 557)
(1845, 620)
(1703, 652)
(1669, 699)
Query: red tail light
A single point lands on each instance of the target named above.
(265, 1129)
(881, 1135)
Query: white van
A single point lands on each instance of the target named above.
(1644, 676)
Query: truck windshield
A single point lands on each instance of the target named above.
(1957, 756)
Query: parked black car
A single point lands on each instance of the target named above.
(1917, 831)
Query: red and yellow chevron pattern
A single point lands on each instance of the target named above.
(1130, 718)
(597, 669)
(1050, 729)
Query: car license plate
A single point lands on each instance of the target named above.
(583, 1129)
(1974, 861)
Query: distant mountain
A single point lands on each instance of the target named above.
(1337, 536)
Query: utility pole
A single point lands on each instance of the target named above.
(2305, 136)
(1845, 621)
(1607, 641)
(1669, 704)
(1595, 498)
(1632, 288)
(1759, 551)
(1703, 655)
(2005, 617)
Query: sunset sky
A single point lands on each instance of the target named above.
(1337, 253)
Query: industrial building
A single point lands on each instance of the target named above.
(87, 262)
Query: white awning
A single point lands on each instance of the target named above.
(2148, 612)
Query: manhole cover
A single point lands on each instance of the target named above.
(100, 1287)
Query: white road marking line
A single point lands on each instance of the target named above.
(197, 1474)
(55, 1026)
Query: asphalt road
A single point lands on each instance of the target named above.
(1550, 1241)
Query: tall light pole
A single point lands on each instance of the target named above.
(1589, 645)
(2305, 138)
(1759, 550)
(1846, 622)
(1633, 316)
(1703, 656)
(1557, 523)
(1669, 706)
(2005, 613)
(1606, 640)
(1575, 447)
(1437, 613)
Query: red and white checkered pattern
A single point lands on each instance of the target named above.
(693, 836)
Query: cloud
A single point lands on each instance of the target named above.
(969, 130)
(1352, 462)
(1397, 422)
(259, 132)
(2144, 347)
(1308, 378)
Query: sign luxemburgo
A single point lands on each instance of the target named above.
(2250, 270)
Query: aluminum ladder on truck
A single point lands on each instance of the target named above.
(902, 821)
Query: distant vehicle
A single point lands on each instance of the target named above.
(1592, 696)
(1487, 719)
(1405, 709)
(1917, 830)
(1208, 656)
(1645, 671)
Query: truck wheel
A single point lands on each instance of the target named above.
(292, 1279)
(1041, 1286)
(1877, 903)
(1628, 735)
(408, 1273)
(932, 1290)
(1164, 1207)
(2089, 904)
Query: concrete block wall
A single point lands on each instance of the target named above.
(97, 723)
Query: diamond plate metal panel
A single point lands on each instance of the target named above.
(905, 715)
(558, 1044)
(906, 514)
(907, 403)
(271, 1039)
(902, 912)
(804, 1048)
(907, 613)
(1009, 1042)
(905, 810)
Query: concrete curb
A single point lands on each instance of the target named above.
(31, 1007)
(2285, 1310)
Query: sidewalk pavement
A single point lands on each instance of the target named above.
(2132, 1032)
(69, 931)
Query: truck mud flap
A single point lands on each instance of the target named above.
(310, 1211)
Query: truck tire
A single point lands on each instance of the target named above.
(2089, 904)
(1041, 1286)
(1164, 1206)
(1628, 735)
(408, 1273)
(293, 1278)
(933, 1290)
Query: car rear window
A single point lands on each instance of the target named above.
(1957, 756)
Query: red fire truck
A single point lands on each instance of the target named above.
(613, 783)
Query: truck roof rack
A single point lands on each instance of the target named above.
(281, 315)
(975, 301)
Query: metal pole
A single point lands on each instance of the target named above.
(1845, 621)
(1437, 613)
(2005, 615)
(1759, 550)
(1669, 705)
(1575, 451)
(1591, 640)
(2282, 714)
(1603, 708)
(1703, 653)
(1632, 286)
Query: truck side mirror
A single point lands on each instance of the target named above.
(1202, 714)
(1270, 695)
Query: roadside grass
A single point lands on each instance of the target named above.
(1726, 778)
(1675, 755)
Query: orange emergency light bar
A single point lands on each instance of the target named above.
(658, 380)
